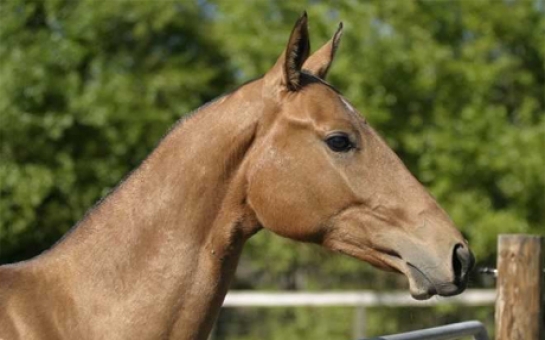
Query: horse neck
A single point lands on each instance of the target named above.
(164, 246)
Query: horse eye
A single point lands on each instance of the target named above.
(339, 143)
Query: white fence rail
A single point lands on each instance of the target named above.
(471, 297)
(360, 300)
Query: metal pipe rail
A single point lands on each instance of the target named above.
(447, 332)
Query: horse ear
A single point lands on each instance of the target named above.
(288, 66)
(320, 61)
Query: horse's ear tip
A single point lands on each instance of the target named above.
(303, 19)
(338, 34)
(340, 28)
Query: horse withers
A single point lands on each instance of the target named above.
(286, 152)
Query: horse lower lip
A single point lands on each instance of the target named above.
(449, 289)
(424, 287)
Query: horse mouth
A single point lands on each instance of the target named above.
(386, 260)
(422, 288)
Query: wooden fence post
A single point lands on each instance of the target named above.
(519, 303)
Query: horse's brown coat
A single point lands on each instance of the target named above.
(154, 260)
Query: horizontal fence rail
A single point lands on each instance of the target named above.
(447, 332)
(471, 297)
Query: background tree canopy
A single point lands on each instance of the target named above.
(87, 88)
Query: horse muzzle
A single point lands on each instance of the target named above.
(425, 282)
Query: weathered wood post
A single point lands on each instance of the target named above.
(519, 303)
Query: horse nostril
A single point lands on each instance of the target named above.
(462, 262)
(456, 264)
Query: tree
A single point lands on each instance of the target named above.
(86, 90)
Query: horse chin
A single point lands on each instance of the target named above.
(420, 286)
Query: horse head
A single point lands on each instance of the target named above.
(318, 172)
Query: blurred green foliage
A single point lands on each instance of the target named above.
(87, 88)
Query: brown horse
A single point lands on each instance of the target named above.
(286, 152)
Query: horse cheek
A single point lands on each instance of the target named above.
(280, 203)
